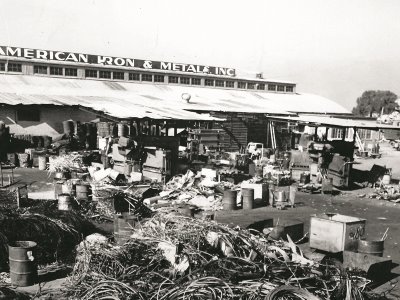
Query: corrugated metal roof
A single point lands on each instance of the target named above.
(149, 98)
(337, 122)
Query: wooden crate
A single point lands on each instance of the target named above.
(336, 233)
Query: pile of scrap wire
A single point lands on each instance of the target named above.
(56, 232)
(110, 198)
(175, 257)
(66, 162)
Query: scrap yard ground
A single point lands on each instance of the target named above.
(380, 214)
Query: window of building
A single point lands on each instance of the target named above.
(147, 77)
(336, 133)
(365, 134)
(271, 87)
(159, 78)
(230, 84)
(2, 66)
(56, 71)
(281, 88)
(91, 73)
(134, 76)
(219, 83)
(241, 85)
(173, 79)
(40, 69)
(196, 81)
(28, 114)
(14, 67)
(71, 72)
(118, 75)
(209, 82)
(185, 80)
(251, 86)
(261, 86)
(289, 89)
(105, 74)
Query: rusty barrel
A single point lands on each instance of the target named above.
(371, 247)
(64, 202)
(123, 227)
(229, 200)
(82, 192)
(247, 198)
(23, 268)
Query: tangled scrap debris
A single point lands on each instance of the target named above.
(175, 257)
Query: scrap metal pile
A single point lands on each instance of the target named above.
(174, 257)
(56, 232)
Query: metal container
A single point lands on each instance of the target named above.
(122, 129)
(123, 227)
(271, 191)
(335, 233)
(305, 178)
(23, 268)
(247, 198)
(42, 162)
(327, 185)
(68, 127)
(58, 187)
(280, 197)
(64, 202)
(229, 200)
(67, 188)
(82, 191)
(292, 194)
(371, 247)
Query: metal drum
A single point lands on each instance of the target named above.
(23, 268)
(371, 247)
(42, 162)
(82, 192)
(58, 187)
(68, 127)
(305, 178)
(123, 227)
(64, 202)
(229, 200)
(247, 198)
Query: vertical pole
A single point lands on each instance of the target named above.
(1, 172)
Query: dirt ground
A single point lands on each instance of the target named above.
(380, 214)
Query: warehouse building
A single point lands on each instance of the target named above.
(39, 89)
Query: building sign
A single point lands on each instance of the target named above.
(113, 61)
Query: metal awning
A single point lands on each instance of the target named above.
(327, 121)
(111, 106)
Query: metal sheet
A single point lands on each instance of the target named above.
(150, 95)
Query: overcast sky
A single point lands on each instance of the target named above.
(336, 49)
